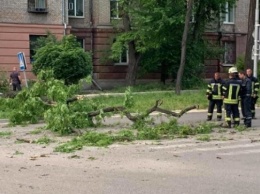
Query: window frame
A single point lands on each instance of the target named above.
(75, 11)
(32, 39)
(81, 41)
(225, 43)
(32, 6)
(119, 62)
(227, 16)
(117, 11)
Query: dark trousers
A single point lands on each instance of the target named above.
(253, 102)
(16, 86)
(246, 110)
(211, 107)
(232, 109)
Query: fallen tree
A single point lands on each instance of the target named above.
(136, 117)
(64, 111)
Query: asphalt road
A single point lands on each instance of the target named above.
(228, 164)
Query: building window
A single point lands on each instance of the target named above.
(37, 6)
(230, 14)
(123, 58)
(81, 41)
(115, 12)
(230, 53)
(76, 8)
(33, 45)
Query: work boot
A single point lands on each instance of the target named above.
(209, 118)
(227, 124)
(248, 123)
(236, 123)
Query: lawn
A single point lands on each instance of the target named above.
(171, 101)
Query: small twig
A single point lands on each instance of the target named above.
(24, 140)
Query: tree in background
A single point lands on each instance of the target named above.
(66, 58)
(250, 38)
(154, 34)
(151, 29)
(201, 15)
(184, 46)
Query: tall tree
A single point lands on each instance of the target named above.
(184, 46)
(204, 13)
(153, 29)
(250, 38)
(147, 30)
(134, 56)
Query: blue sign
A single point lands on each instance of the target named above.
(21, 60)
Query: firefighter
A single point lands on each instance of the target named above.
(230, 95)
(255, 88)
(214, 96)
(246, 89)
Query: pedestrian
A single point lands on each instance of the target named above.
(214, 96)
(230, 95)
(255, 88)
(15, 80)
(246, 89)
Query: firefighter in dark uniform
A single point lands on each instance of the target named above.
(246, 89)
(214, 96)
(231, 92)
(255, 88)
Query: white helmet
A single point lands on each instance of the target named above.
(232, 70)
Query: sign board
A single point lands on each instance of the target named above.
(22, 64)
(22, 61)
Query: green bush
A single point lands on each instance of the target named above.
(4, 84)
(66, 58)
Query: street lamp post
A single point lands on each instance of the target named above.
(256, 47)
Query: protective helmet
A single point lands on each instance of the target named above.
(232, 70)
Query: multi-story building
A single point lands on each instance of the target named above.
(21, 22)
(231, 34)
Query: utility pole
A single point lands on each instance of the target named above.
(256, 38)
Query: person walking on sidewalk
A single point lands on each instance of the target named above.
(230, 94)
(255, 88)
(214, 92)
(246, 89)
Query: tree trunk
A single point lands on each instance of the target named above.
(250, 38)
(133, 56)
(164, 71)
(183, 47)
(132, 64)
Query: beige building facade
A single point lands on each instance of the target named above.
(90, 20)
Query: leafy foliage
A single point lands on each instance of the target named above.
(156, 29)
(5, 133)
(88, 139)
(143, 132)
(66, 58)
(4, 84)
(43, 140)
(30, 104)
(129, 101)
(171, 129)
(240, 63)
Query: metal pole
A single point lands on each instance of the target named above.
(256, 38)
(24, 74)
